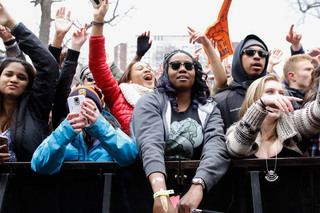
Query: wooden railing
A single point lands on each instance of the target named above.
(13, 173)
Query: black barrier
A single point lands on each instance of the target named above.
(94, 186)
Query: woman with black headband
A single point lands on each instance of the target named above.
(180, 122)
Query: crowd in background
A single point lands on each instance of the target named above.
(190, 111)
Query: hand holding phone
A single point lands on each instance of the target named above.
(4, 145)
(75, 104)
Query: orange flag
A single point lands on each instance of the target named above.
(219, 31)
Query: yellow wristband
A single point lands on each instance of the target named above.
(163, 193)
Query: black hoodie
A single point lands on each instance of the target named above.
(230, 100)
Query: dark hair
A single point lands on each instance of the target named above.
(31, 75)
(127, 74)
(200, 91)
(313, 87)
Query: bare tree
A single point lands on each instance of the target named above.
(310, 7)
(44, 32)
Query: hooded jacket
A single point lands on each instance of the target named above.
(230, 100)
(30, 127)
(150, 126)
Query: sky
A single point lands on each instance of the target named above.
(268, 19)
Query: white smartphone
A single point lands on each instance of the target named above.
(75, 103)
(4, 143)
(95, 2)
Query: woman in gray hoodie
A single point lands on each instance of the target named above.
(180, 122)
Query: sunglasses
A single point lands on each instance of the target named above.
(175, 65)
(252, 52)
(88, 77)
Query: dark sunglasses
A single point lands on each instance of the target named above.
(252, 52)
(175, 65)
(88, 77)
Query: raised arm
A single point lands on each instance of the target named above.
(217, 68)
(294, 38)
(143, 45)
(274, 59)
(97, 57)
(68, 70)
(12, 48)
(47, 70)
(62, 25)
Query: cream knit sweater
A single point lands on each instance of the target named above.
(243, 137)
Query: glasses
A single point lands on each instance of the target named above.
(252, 52)
(88, 77)
(175, 65)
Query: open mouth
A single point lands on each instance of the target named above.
(148, 77)
(256, 66)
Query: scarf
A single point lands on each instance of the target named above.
(132, 92)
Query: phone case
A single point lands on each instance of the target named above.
(4, 141)
(75, 103)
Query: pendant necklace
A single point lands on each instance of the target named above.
(271, 175)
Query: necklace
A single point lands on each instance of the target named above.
(271, 175)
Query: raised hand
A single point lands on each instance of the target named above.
(79, 38)
(5, 33)
(62, 21)
(6, 19)
(143, 43)
(275, 57)
(100, 11)
(196, 36)
(314, 52)
(294, 38)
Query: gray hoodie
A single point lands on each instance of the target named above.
(150, 125)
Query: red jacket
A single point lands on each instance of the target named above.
(104, 79)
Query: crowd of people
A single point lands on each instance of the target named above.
(133, 115)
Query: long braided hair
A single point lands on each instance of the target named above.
(200, 91)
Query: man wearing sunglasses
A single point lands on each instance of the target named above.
(249, 63)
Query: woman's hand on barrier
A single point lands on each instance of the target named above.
(159, 207)
(190, 200)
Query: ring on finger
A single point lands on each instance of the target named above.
(71, 123)
(93, 114)
(95, 109)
